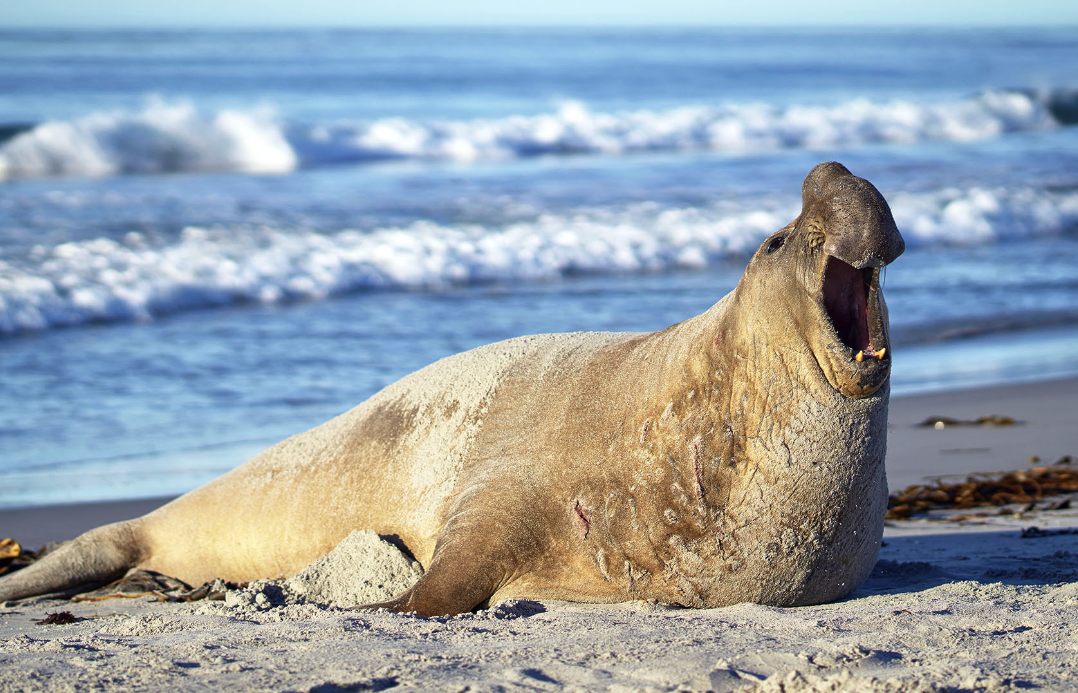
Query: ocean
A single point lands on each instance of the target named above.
(211, 240)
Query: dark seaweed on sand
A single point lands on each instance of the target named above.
(988, 490)
(60, 618)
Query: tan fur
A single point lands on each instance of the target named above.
(736, 456)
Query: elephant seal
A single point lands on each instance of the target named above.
(736, 456)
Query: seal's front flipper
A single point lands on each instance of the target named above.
(462, 575)
(100, 555)
(447, 590)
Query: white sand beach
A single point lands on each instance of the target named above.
(959, 606)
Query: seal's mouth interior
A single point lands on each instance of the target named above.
(849, 298)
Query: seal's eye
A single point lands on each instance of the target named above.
(775, 244)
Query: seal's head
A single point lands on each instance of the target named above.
(820, 278)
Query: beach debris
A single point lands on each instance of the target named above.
(13, 556)
(147, 583)
(941, 422)
(214, 591)
(1026, 486)
(9, 548)
(59, 618)
(137, 583)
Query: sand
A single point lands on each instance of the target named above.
(957, 606)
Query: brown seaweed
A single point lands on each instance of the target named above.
(60, 618)
(938, 422)
(1025, 486)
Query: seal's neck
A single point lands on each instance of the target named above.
(767, 463)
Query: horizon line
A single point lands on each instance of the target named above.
(897, 26)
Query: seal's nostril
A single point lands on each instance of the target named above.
(860, 228)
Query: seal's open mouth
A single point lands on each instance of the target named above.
(851, 301)
(848, 300)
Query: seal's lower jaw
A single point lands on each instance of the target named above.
(856, 359)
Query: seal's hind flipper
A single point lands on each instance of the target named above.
(102, 554)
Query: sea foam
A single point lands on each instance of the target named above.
(103, 280)
(161, 138)
(168, 137)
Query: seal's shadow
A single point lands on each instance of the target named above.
(379, 684)
(916, 563)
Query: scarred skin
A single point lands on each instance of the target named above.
(736, 456)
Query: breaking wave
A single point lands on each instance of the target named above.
(104, 280)
(172, 137)
(161, 138)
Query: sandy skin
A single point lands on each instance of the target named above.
(736, 456)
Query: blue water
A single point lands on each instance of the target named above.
(213, 240)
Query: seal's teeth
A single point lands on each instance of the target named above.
(860, 356)
(879, 354)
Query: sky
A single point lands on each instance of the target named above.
(359, 13)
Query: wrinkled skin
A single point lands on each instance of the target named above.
(736, 456)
